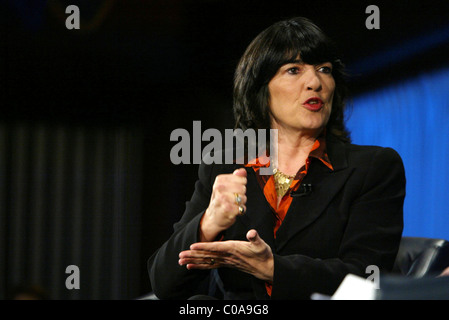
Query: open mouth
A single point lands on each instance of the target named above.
(313, 104)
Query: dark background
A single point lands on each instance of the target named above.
(159, 65)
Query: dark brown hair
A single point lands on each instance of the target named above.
(279, 44)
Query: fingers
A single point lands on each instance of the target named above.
(201, 259)
(219, 247)
(228, 200)
(231, 183)
(241, 196)
(224, 192)
(203, 252)
(253, 256)
(230, 191)
(208, 262)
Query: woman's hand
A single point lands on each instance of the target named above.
(223, 208)
(254, 256)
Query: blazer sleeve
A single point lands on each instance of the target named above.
(168, 279)
(372, 235)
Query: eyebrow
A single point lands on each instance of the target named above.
(297, 61)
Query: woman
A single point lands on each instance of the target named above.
(330, 208)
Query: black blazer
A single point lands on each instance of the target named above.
(353, 218)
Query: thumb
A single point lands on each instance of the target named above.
(241, 172)
(253, 237)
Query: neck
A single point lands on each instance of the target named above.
(293, 150)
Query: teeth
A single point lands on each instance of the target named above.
(313, 102)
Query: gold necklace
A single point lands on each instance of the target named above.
(282, 182)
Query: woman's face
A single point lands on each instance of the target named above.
(301, 97)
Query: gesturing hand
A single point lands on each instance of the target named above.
(254, 256)
(223, 208)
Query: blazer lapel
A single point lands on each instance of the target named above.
(325, 184)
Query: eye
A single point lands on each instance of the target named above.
(325, 69)
(293, 70)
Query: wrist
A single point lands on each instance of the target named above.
(269, 270)
(208, 231)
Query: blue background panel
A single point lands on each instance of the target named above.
(412, 117)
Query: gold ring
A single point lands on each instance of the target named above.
(238, 199)
(212, 261)
(241, 210)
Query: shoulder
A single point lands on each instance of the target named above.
(364, 151)
(375, 162)
(343, 155)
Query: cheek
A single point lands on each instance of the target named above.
(330, 91)
(276, 92)
(276, 97)
(330, 99)
(327, 114)
(330, 86)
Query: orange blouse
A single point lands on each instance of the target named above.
(318, 151)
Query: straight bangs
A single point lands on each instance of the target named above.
(292, 42)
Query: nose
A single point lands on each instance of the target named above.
(313, 81)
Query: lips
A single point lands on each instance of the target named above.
(313, 104)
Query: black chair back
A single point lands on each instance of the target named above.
(419, 257)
